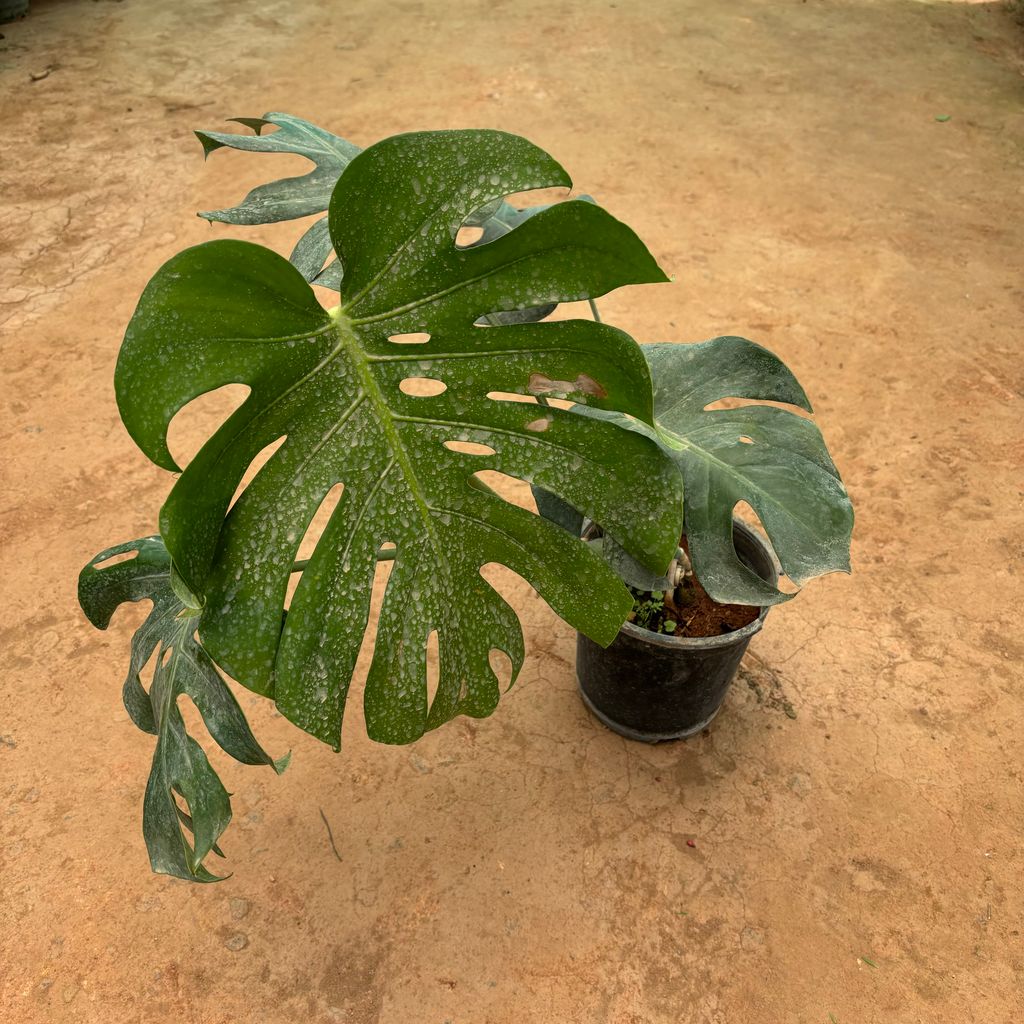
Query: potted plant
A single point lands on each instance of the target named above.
(666, 674)
(434, 366)
(668, 681)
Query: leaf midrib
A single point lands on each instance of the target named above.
(349, 343)
(321, 141)
(164, 725)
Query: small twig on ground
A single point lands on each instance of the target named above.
(330, 834)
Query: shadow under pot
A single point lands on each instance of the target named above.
(650, 687)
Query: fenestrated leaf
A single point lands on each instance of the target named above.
(182, 668)
(497, 219)
(286, 198)
(771, 458)
(330, 383)
(292, 198)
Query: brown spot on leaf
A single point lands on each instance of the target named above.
(542, 384)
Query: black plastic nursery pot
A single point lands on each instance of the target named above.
(651, 687)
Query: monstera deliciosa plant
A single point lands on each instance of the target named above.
(774, 460)
(335, 385)
(436, 364)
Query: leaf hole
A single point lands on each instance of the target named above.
(745, 511)
(262, 458)
(538, 426)
(731, 403)
(416, 338)
(149, 668)
(724, 404)
(311, 537)
(468, 235)
(786, 585)
(510, 488)
(317, 525)
(433, 666)
(510, 317)
(124, 556)
(202, 416)
(501, 666)
(422, 387)
(511, 587)
(381, 576)
(469, 447)
(496, 187)
(746, 440)
(511, 396)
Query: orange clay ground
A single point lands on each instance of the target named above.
(855, 812)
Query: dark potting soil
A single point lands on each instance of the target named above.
(688, 611)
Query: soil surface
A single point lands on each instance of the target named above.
(844, 844)
(688, 610)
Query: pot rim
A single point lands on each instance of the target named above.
(704, 643)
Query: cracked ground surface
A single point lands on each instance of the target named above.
(856, 810)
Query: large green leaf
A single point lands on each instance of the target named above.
(771, 458)
(182, 667)
(293, 198)
(331, 384)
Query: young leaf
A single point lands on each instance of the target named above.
(182, 668)
(769, 457)
(286, 198)
(289, 198)
(332, 384)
